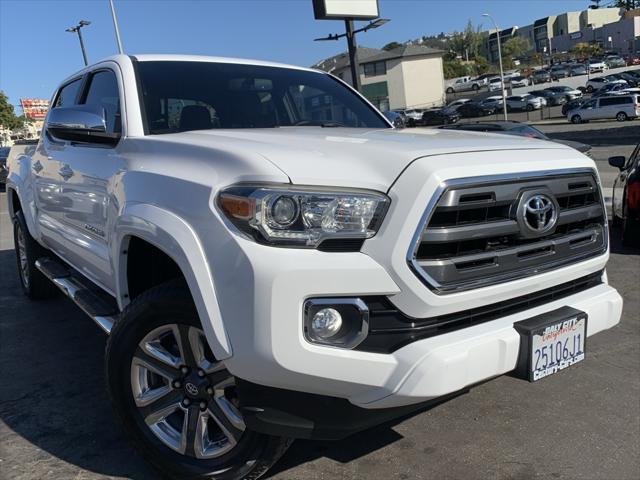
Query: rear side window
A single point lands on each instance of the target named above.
(606, 102)
(103, 92)
(68, 94)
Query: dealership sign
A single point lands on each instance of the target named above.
(575, 35)
(34, 108)
(345, 9)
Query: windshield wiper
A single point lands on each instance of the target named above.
(331, 124)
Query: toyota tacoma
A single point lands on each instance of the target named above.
(273, 260)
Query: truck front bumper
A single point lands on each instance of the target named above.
(270, 349)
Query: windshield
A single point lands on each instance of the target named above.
(183, 96)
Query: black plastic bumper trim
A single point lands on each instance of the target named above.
(287, 413)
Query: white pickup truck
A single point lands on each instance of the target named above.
(272, 260)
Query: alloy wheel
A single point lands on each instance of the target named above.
(186, 397)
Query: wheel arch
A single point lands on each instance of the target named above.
(175, 238)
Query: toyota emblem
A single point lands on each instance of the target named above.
(537, 214)
(191, 389)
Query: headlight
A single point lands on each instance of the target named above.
(301, 216)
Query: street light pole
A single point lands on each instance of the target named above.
(115, 26)
(353, 55)
(504, 95)
(77, 29)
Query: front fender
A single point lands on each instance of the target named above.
(175, 237)
(20, 180)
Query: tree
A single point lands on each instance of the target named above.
(391, 46)
(627, 4)
(585, 50)
(8, 117)
(512, 48)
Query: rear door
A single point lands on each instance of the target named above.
(48, 173)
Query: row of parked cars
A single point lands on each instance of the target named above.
(615, 96)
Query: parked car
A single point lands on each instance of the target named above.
(625, 198)
(458, 103)
(495, 102)
(632, 80)
(439, 116)
(464, 85)
(541, 76)
(495, 84)
(4, 153)
(577, 70)
(597, 65)
(524, 102)
(485, 77)
(599, 82)
(615, 61)
(620, 107)
(573, 104)
(552, 98)
(610, 88)
(516, 128)
(395, 118)
(559, 71)
(568, 92)
(414, 114)
(475, 109)
(520, 81)
(632, 60)
(260, 284)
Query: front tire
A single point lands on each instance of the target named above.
(176, 403)
(576, 119)
(34, 284)
(450, 90)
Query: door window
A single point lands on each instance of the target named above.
(103, 92)
(68, 94)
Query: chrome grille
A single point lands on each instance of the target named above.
(471, 236)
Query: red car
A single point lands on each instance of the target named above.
(632, 60)
(626, 197)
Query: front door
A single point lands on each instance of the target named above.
(88, 188)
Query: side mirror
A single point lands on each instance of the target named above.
(80, 123)
(617, 161)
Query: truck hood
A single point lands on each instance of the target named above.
(353, 157)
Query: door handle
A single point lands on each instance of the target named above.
(66, 172)
(37, 166)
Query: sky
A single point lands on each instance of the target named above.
(36, 53)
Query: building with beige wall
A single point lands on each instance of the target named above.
(410, 76)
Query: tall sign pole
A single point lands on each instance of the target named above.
(353, 55)
(115, 26)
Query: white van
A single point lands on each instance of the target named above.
(620, 107)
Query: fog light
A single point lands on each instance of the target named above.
(338, 322)
(326, 322)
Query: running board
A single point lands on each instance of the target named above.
(100, 306)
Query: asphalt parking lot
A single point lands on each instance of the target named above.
(584, 423)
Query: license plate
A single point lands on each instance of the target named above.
(551, 342)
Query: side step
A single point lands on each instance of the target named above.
(100, 306)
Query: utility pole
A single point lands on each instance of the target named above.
(76, 29)
(504, 95)
(115, 26)
(353, 54)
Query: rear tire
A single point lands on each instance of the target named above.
(34, 284)
(622, 117)
(589, 89)
(529, 107)
(576, 119)
(475, 87)
(450, 90)
(183, 434)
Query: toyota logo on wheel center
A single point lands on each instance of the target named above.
(191, 389)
